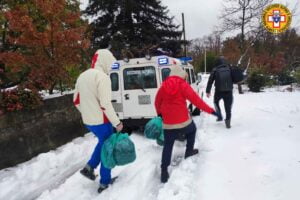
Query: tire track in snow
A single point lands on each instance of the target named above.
(48, 170)
(181, 184)
(139, 180)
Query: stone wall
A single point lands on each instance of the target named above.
(25, 134)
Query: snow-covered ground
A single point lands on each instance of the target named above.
(56, 93)
(257, 159)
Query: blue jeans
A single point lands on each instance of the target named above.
(102, 132)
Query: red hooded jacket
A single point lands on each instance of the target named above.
(170, 100)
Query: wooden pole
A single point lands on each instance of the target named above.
(184, 39)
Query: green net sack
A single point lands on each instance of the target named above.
(154, 128)
(107, 158)
(118, 149)
(124, 151)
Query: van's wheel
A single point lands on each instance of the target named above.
(127, 129)
(141, 129)
(191, 108)
(196, 112)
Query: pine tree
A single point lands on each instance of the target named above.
(137, 24)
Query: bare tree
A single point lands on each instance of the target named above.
(197, 48)
(243, 16)
(211, 43)
(296, 12)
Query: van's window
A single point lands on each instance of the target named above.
(188, 76)
(193, 76)
(114, 77)
(139, 78)
(165, 72)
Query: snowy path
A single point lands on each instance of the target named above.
(258, 158)
(46, 171)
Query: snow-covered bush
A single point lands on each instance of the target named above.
(271, 81)
(297, 76)
(18, 99)
(256, 80)
(286, 78)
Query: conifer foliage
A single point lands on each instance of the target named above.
(135, 24)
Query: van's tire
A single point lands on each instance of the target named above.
(196, 112)
(134, 125)
(127, 129)
(191, 108)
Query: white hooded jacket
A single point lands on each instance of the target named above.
(92, 96)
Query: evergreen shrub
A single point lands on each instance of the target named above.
(256, 80)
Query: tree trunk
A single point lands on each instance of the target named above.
(243, 30)
(240, 88)
(4, 32)
(61, 87)
(52, 88)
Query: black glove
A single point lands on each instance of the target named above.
(217, 114)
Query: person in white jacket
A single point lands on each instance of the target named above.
(92, 97)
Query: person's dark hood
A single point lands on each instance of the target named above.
(221, 61)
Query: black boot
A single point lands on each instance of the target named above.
(105, 186)
(88, 172)
(191, 153)
(102, 187)
(219, 119)
(227, 123)
(164, 175)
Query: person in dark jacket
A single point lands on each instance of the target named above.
(170, 104)
(221, 75)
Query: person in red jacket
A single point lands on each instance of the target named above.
(170, 104)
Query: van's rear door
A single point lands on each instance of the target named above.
(116, 93)
(140, 84)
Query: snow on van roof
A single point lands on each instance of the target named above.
(156, 60)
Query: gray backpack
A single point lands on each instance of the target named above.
(223, 79)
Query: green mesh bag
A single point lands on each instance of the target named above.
(118, 149)
(124, 151)
(107, 158)
(154, 128)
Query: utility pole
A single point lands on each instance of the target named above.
(184, 39)
(204, 60)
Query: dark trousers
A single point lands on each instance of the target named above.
(171, 135)
(228, 100)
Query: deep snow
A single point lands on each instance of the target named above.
(258, 158)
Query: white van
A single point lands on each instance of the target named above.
(135, 83)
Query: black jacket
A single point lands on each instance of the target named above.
(221, 85)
